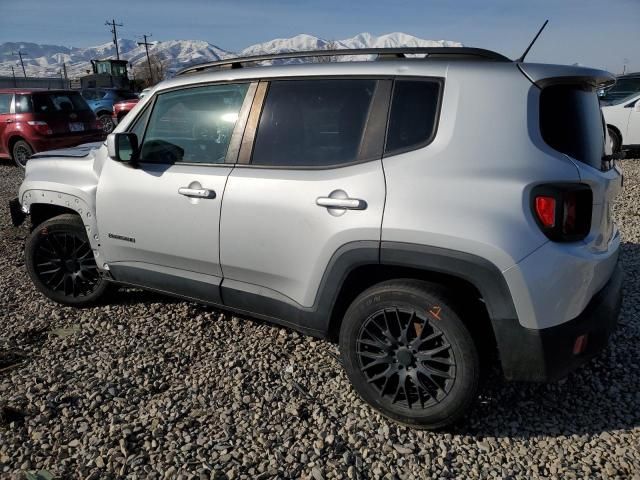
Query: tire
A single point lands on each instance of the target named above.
(21, 152)
(409, 355)
(107, 123)
(60, 262)
(614, 140)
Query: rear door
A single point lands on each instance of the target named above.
(6, 118)
(159, 220)
(312, 183)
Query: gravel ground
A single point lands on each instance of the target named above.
(150, 387)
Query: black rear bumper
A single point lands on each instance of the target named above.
(547, 355)
(17, 215)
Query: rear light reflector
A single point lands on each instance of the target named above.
(546, 210)
(40, 127)
(563, 211)
(580, 345)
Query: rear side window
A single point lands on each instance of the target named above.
(23, 104)
(313, 123)
(58, 102)
(5, 102)
(414, 115)
(571, 122)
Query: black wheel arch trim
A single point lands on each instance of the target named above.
(477, 271)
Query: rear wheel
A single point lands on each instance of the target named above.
(60, 262)
(21, 152)
(409, 355)
(106, 122)
(614, 140)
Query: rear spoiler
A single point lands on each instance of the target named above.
(542, 75)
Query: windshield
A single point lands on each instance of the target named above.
(58, 102)
(93, 94)
(624, 90)
(618, 101)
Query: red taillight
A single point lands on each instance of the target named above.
(546, 210)
(41, 127)
(563, 211)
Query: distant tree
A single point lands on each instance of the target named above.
(330, 45)
(159, 67)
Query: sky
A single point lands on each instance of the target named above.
(597, 33)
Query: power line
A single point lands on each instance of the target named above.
(114, 31)
(146, 47)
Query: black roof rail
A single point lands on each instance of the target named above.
(382, 53)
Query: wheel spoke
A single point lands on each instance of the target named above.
(405, 358)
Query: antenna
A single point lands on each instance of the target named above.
(521, 59)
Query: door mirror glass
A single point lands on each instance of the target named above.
(123, 147)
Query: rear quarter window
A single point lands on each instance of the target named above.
(571, 122)
(58, 102)
(414, 115)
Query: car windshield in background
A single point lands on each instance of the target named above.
(93, 94)
(58, 102)
(618, 101)
(624, 90)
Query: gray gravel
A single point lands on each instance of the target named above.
(150, 387)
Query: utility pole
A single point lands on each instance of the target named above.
(146, 46)
(19, 53)
(114, 31)
(13, 74)
(64, 68)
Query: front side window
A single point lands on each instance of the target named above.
(5, 102)
(313, 123)
(193, 125)
(414, 114)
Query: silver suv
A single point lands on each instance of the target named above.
(422, 211)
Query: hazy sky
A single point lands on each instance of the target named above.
(599, 33)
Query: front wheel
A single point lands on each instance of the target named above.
(61, 264)
(106, 122)
(614, 140)
(409, 355)
(21, 153)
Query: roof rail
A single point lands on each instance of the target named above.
(382, 53)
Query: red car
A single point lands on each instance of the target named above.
(34, 120)
(120, 109)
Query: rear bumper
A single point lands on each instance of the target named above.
(547, 354)
(43, 144)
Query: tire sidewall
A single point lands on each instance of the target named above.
(20, 143)
(465, 385)
(615, 140)
(63, 223)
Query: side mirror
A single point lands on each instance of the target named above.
(123, 147)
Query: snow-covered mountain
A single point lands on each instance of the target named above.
(47, 60)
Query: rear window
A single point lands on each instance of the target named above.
(571, 122)
(313, 123)
(414, 110)
(58, 102)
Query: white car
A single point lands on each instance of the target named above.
(623, 122)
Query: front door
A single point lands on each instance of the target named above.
(312, 185)
(6, 117)
(633, 127)
(158, 220)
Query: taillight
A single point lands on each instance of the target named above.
(546, 210)
(563, 211)
(41, 127)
